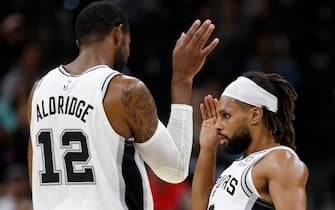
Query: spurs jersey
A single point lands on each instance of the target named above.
(234, 188)
(79, 161)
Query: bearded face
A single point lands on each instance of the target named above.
(121, 54)
(239, 142)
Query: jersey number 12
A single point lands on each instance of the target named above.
(71, 158)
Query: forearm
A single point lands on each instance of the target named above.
(203, 180)
(180, 126)
(168, 151)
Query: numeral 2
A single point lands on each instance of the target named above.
(71, 157)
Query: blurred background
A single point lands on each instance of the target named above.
(294, 38)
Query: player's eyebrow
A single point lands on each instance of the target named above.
(222, 111)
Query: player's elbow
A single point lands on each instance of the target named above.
(171, 175)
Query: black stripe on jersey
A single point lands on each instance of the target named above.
(64, 71)
(132, 178)
(246, 189)
(261, 204)
(107, 80)
(93, 68)
(244, 185)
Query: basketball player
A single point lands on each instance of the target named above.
(93, 129)
(253, 118)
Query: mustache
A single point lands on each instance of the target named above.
(221, 135)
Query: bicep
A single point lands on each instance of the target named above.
(287, 186)
(140, 110)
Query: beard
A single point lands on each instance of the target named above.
(239, 142)
(121, 57)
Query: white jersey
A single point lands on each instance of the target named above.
(234, 188)
(79, 161)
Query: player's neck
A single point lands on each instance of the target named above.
(261, 139)
(89, 57)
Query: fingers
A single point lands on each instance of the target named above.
(208, 108)
(210, 47)
(181, 38)
(189, 34)
(212, 106)
(201, 34)
(205, 31)
(203, 112)
(198, 35)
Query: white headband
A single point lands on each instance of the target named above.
(247, 91)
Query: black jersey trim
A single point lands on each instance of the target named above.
(107, 81)
(132, 178)
(60, 68)
(244, 185)
(63, 70)
(261, 204)
(246, 189)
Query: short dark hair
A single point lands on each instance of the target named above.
(96, 20)
(280, 123)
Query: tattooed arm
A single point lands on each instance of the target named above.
(130, 108)
(137, 107)
(140, 110)
(132, 113)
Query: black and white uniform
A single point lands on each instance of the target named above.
(79, 161)
(234, 188)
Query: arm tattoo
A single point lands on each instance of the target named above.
(141, 110)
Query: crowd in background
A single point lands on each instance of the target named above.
(294, 38)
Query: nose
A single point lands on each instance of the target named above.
(218, 125)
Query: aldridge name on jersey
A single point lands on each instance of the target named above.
(63, 105)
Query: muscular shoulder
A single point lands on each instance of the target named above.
(130, 92)
(131, 88)
(122, 82)
(128, 98)
(286, 166)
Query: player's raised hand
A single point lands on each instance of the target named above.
(208, 136)
(191, 50)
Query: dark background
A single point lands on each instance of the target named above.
(292, 37)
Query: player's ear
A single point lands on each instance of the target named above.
(256, 115)
(118, 35)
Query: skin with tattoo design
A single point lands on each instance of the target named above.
(60, 173)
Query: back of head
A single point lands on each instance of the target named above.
(96, 20)
(280, 123)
